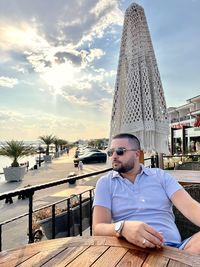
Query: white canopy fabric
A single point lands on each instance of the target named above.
(139, 105)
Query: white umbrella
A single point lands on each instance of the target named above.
(139, 105)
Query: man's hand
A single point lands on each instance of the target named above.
(141, 234)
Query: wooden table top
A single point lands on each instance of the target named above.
(185, 177)
(95, 251)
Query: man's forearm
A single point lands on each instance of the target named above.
(106, 229)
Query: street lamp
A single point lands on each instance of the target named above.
(39, 163)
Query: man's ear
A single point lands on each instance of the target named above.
(141, 156)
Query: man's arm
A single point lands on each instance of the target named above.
(134, 231)
(189, 207)
(102, 221)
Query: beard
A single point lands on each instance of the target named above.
(123, 167)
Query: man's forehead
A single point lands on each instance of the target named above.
(120, 142)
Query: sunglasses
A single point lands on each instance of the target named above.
(119, 151)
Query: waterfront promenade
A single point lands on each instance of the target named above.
(15, 233)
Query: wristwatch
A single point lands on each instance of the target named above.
(118, 228)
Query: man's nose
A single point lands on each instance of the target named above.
(114, 155)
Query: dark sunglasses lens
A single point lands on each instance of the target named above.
(120, 151)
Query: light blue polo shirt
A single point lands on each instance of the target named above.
(146, 199)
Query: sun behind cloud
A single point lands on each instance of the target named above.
(60, 75)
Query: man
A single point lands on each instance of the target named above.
(136, 202)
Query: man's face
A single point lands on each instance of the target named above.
(126, 162)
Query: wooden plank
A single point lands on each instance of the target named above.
(110, 258)
(17, 260)
(23, 253)
(173, 263)
(65, 257)
(132, 258)
(42, 257)
(168, 252)
(8, 256)
(156, 261)
(88, 256)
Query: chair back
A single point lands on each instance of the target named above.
(187, 228)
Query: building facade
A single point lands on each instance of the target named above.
(185, 127)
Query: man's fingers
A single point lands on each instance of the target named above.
(153, 240)
(153, 236)
(146, 243)
(153, 232)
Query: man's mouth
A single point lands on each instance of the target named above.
(115, 162)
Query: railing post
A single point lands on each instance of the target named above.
(30, 217)
(157, 160)
(152, 162)
(53, 221)
(91, 212)
(68, 217)
(0, 237)
(80, 215)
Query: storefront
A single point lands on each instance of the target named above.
(185, 140)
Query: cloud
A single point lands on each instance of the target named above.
(61, 57)
(56, 49)
(94, 53)
(8, 82)
(102, 16)
(29, 126)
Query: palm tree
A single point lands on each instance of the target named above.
(56, 142)
(48, 140)
(15, 150)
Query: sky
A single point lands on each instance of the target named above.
(59, 62)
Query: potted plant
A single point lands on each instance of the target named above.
(43, 218)
(15, 150)
(48, 140)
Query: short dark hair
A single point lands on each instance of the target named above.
(131, 138)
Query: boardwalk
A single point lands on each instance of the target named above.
(60, 167)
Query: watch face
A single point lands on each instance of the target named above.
(118, 226)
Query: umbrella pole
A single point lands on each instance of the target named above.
(160, 161)
(142, 156)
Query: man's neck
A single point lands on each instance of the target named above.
(131, 175)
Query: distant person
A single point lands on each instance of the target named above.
(135, 202)
(80, 165)
(27, 165)
(198, 146)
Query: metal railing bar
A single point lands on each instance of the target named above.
(68, 217)
(0, 237)
(53, 221)
(80, 215)
(41, 208)
(91, 212)
(30, 217)
(48, 185)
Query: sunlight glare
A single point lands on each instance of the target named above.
(60, 75)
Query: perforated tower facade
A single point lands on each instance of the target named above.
(139, 105)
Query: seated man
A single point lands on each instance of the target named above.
(136, 202)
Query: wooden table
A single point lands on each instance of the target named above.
(95, 251)
(186, 177)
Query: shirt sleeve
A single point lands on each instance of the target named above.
(102, 196)
(170, 184)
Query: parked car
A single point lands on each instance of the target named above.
(82, 152)
(91, 157)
